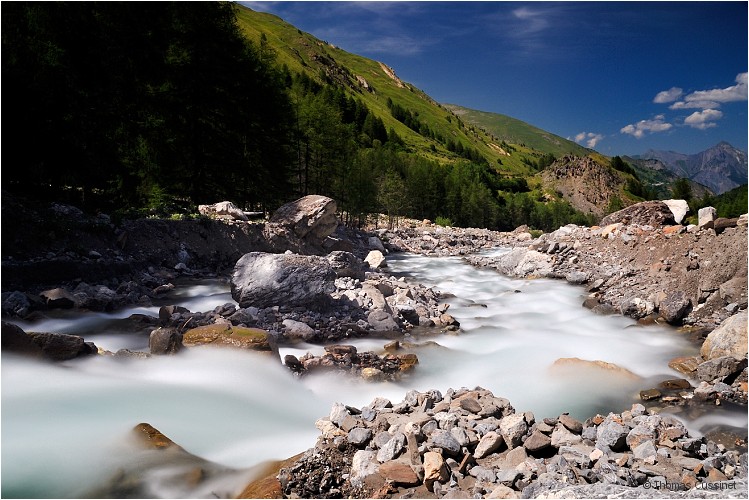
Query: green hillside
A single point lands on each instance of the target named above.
(375, 83)
(152, 109)
(511, 130)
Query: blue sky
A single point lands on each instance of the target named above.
(620, 77)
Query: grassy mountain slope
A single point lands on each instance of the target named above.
(374, 83)
(512, 130)
(512, 148)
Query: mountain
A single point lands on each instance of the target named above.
(512, 130)
(512, 154)
(720, 168)
(660, 180)
(376, 84)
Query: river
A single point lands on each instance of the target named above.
(66, 427)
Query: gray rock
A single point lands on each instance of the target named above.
(570, 423)
(729, 339)
(363, 464)
(359, 436)
(165, 341)
(346, 265)
(734, 291)
(61, 347)
(636, 307)
(311, 218)
(577, 277)
(719, 368)
(296, 330)
(644, 450)
(15, 340)
(612, 435)
(562, 436)
(223, 208)
(513, 428)
(15, 304)
(444, 439)
(392, 448)
(375, 259)
(674, 306)
(382, 321)
(640, 433)
(650, 213)
(265, 280)
(537, 441)
(488, 444)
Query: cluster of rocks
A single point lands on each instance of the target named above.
(692, 276)
(472, 444)
(685, 278)
(426, 238)
(346, 358)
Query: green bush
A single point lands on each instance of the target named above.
(443, 221)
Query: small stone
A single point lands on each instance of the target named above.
(570, 423)
(537, 441)
(650, 394)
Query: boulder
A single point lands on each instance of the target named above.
(674, 306)
(165, 341)
(265, 280)
(375, 259)
(311, 218)
(227, 335)
(15, 340)
(346, 265)
(729, 339)
(513, 428)
(382, 321)
(223, 209)
(15, 304)
(734, 291)
(679, 209)
(61, 347)
(612, 435)
(720, 368)
(706, 217)
(538, 441)
(646, 213)
(296, 330)
(435, 469)
(58, 298)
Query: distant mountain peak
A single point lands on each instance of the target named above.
(721, 167)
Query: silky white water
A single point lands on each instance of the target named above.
(66, 427)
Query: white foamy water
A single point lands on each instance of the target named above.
(65, 427)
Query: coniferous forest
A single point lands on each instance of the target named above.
(153, 108)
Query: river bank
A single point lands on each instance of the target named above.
(370, 300)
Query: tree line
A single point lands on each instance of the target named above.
(154, 108)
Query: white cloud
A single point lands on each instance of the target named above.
(639, 129)
(590, 139)
(695, 105)
(734, 93)
(709, 99)
(669, 95)
(703, 119)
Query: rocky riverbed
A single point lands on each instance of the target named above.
(641, 265)
(469, 443)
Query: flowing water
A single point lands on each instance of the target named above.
(66, 427)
